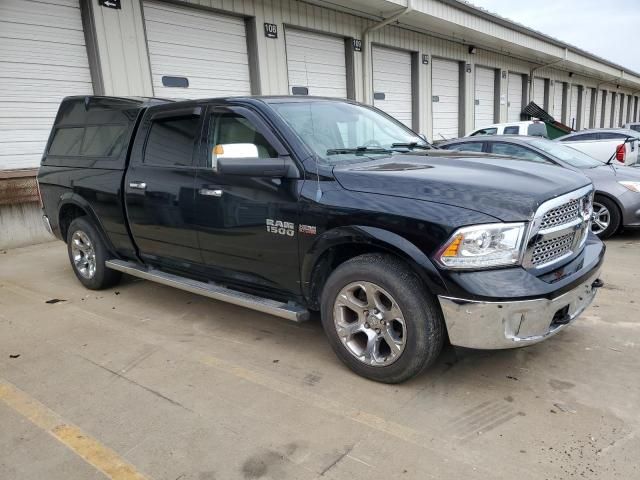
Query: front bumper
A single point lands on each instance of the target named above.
(510, 324)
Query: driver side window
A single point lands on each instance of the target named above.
(234, 132)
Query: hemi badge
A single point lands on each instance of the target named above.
(308, 229)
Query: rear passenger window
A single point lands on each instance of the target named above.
(517, 151)
(511, 130)
(610, 135)
(465, 147)
(581, 137)
(104, 141)
(67, 141)
(171, 141)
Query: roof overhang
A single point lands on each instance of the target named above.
(463, 22)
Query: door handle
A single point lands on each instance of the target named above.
(207, 192)
(138, 185)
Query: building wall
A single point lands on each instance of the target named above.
(124, 66)
(119, 61)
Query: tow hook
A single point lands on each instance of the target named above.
(597, 283)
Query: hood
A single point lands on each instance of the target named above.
(507, 189)
(612, 173)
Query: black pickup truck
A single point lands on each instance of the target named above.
(295, 204)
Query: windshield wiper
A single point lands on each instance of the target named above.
(411, 146)
(357, 150)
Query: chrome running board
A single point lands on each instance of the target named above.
(290, 311)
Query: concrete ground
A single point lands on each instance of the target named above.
(143, 381)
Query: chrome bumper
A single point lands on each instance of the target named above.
(495, 325)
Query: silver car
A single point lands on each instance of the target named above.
(617, 198)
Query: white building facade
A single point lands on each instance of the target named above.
(442, 67)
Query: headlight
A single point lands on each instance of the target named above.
(633, 186)
(483, 246)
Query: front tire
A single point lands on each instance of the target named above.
(380, 320)
(88, 255)
(606, 217)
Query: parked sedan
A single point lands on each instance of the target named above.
(617, 198)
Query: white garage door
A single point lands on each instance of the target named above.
(316, 62)
(445, 84)
(573, 108)
(598, 112)
(43, 58)
(558, 87)
(514, 97)
(607, 110)
(586, 122)
(208, 49)
(538, 91)
(615, 102)
(484, 97)
(392, 80)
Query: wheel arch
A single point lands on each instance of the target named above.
(615, 201)
(72, 206)
(338, 245)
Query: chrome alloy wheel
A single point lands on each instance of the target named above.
(600, 219)
(83, 253)
(370, 324)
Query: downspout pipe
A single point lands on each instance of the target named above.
(534, 69)
(366, 49)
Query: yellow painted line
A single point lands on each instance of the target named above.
(89, 449)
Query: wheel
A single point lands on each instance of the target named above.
(606, 217)
(380, 320)
(87, 254)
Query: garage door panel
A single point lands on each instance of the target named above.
(538, 91)
(169, 17)
(64, 17)
(573, 107)
(30, 51)
(514, 97)
(557, 101)
(316, 61)
(207, 48)
(54, 34)
(221, 70)
(392, 76)
(317, 80)
(43, 58)
(334, 70)
(445, 81)
(172, 38)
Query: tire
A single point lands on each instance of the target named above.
(87, 254)
(417, 321)
(606, 218)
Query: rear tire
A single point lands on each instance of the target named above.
(606, 217)
(380, 320)
(88, 255)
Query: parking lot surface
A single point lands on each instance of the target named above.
(144, 381)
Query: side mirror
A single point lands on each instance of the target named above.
(235, 150)
(243, 159)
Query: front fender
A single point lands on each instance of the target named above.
(378, 239)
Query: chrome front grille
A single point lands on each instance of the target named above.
(559, 229)
(546, 251)
(561, 215)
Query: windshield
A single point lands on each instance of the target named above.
(340, 132)
(567, 154)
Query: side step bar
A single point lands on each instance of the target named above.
(290, 311)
